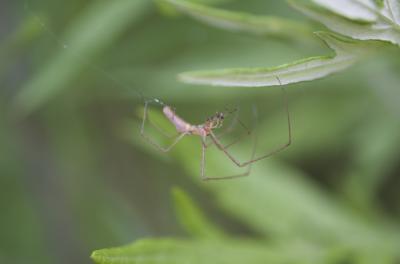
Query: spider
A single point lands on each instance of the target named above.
(205, 131)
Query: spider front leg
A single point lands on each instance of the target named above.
(150, 140)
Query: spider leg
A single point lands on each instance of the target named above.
(207, 178)
(157, 101)
(218, 143)
(150, 140)
(249, 166)
(159, 129)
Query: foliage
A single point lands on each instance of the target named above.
(347, 52)
(76, 177)
(380, 23)
(222, 250)
(308, 213)
(88, 37)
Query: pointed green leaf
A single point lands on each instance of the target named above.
(233, 251)
(347, 52)
(191, 217)
(177, 251)
(243, 22)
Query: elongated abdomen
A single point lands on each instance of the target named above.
(180, 124)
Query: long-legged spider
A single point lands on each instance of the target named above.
(205, 131)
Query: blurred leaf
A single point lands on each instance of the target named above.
(165, 250)
(177, 251)
(211, 2)
(347, 53)
(23, 236)
(101, 217)
(168, 9)
(243, 22)
(97, 28)
(192, 219)
(375, 156)
(180, 251)
(20, 38)
(383, 24)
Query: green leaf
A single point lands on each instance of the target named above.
(192, 219)
(347, 53)
(233, 251)
(88, 36)
(168, 9)
(243, 22)
(176, 251)
(381, 23)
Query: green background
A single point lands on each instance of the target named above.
(75, 175)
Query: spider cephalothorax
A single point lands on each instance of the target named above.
(215, 121)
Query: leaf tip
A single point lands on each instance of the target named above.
(184, 77)
(96, 256)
